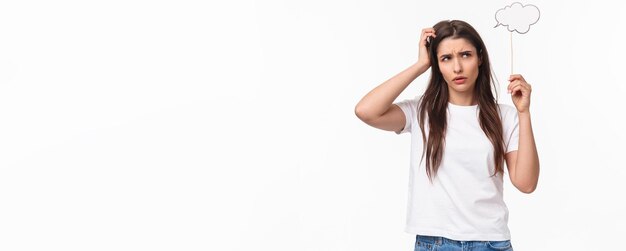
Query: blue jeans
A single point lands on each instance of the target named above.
(435, 243)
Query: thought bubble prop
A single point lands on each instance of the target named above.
(517, 17)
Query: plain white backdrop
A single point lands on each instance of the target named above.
(195, 125)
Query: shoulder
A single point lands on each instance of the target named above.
(508, 115)
(409, 102)
(506, 109)
(417, 98)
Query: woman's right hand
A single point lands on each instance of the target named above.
(424, 58)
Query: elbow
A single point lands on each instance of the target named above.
(525, 186)
(529, 183)
(528, 189)
(361, 113)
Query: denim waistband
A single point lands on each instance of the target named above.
(438, 240)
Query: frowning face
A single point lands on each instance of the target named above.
(458, 62)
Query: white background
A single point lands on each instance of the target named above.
(195, 125)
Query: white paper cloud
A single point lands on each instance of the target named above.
(517, 17)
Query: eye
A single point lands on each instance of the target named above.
(466, 54)
(445, 58)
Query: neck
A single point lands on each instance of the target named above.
(461, 99)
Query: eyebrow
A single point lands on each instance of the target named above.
(461, 52)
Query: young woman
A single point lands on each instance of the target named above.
(460, 139)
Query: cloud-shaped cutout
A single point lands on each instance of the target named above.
(517, 17)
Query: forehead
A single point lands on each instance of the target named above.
(454, 45)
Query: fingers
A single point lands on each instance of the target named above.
(518, 85)
(514, 86)
(515, 89)
(427, 32)
(516, 77)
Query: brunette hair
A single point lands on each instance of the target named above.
(434, 102)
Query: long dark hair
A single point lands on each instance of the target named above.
(434, 102)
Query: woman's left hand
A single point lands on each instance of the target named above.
(520, 92)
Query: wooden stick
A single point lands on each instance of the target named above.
(511, 52)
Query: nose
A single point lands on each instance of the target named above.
(457, 66)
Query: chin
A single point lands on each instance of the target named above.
(460, 88)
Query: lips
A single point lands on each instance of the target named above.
(459, 80)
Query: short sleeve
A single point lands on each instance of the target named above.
(409, 107)
(510, 124)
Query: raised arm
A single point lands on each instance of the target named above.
(376, 107)
(523, 164)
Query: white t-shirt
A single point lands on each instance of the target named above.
(463, 203)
